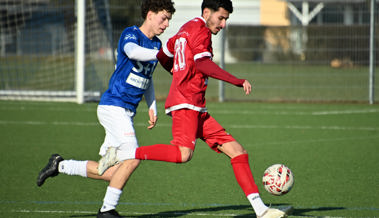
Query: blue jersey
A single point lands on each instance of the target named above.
(131, 78)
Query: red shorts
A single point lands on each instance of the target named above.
(188, 125)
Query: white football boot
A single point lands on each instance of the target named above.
(108, 160)
(276, 213)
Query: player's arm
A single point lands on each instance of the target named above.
(139, 53)
(211, 69)
(165, 60)
(151, 104)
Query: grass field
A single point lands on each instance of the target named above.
(286, 82)
(331, 148)
(271, 82)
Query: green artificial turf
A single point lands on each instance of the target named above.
(332, 150)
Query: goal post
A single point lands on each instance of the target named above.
(54, 50)
(80, 50)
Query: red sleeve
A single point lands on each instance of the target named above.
(210, 68)
(165, 61)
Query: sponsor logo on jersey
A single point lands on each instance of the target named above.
(130, 36)
(137, 81)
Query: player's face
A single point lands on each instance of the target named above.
(159, 21)
(216, 20)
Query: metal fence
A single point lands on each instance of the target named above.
(328, 59)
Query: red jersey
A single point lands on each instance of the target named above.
(192, 43)
(188, 86)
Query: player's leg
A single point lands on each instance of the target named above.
(118, 126)
(184, 132)
(243, 174)
(113, 120)
(219, 140)
(120, 135)
(116, 185)
(164, 152)
(126, 168)
(84, 168)
(92, 171)
(244, 177)
(87, 168)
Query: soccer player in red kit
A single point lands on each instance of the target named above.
(188, 56)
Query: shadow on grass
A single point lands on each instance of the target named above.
(302, 211)
(209, 210)
(179, 213)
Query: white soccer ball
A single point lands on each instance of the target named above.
(278, 179)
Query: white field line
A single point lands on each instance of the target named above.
(266, 110)
(299, 113)
(302, 127)
(235, 126)
(346, 112)
(291, 112)
(316, 140)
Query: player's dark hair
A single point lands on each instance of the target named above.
(156, 6)
(216, 4)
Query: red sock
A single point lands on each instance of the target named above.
(161, 152)
(243, 174)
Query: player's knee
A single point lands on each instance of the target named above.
(107, 178)
(243, 151)
(238, 148)
(239, 152)
(133, 163)
(186, 154)
(232, 149)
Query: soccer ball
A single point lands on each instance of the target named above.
(278, 179)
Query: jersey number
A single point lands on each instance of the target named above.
(146, 69)
(180, 59)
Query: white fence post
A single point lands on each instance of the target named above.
(221, 89)
(372, 53)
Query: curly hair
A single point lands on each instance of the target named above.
(156, 6)
(216, 4)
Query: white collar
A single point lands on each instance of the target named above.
(202, 18)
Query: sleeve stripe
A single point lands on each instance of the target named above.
(167, 52)
(201, 55)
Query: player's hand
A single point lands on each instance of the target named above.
(152, 119)
(247, 87)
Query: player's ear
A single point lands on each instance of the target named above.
(148, 15)
(206, 13)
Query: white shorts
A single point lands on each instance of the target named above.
(119, 130)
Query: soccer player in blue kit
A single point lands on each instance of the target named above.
(131, 80)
